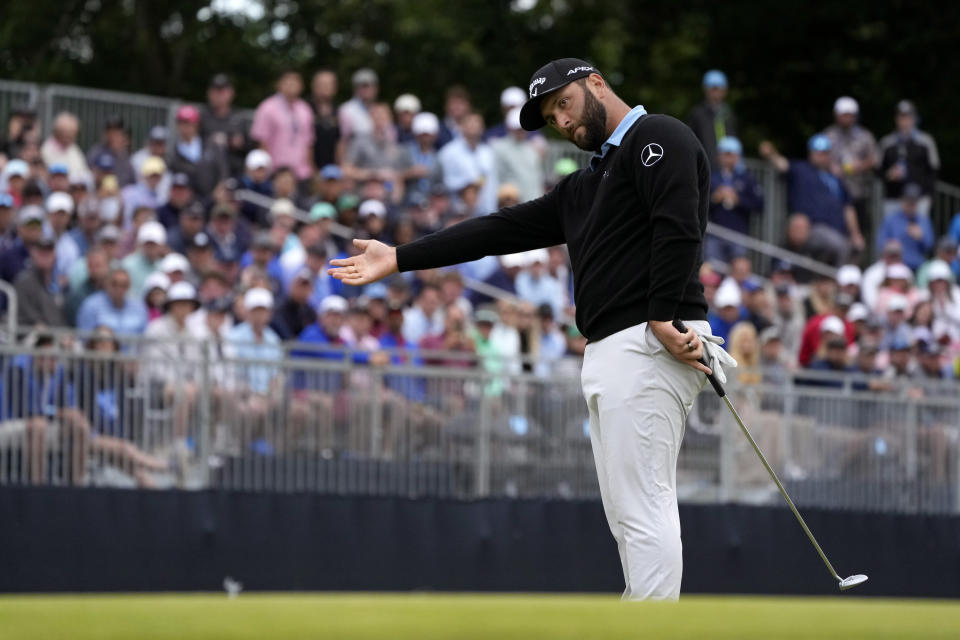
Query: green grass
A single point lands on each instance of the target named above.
(468, 616)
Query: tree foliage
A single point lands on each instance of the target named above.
(787, 60)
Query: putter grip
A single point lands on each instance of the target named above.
(679, 326)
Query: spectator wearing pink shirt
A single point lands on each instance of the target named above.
(283, 125)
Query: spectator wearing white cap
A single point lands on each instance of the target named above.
(535, 284)
(61, 147)
(897, 283)
(946, 252)
(820, 328)
(944, 295)
(896, 329)
(13, 177)
(424, 171)
(405, 108)
(175, 267)
(854, 156)
(518, 160)
(727, 309)
(253, 339)
(331, 313)
(256, 177)
(59, 206)
(149, 189)
(513, 98)
(151, 247)
(849, 278)
(467, 160)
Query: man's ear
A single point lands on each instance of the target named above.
(597, 85)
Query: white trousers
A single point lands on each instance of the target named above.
(638, 396)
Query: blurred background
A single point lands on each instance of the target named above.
(185, 394)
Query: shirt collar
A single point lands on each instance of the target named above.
(617, 136)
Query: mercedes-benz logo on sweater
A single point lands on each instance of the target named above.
(651, 154)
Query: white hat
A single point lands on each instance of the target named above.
(257, 297)
(407, 102)
(833, 324)
(728, 295)
(513, 97)
(897, 303)
(258, 159)
(535, 255)
(156, 280)
(333, 304)
(372, 207)
(151, 231)
(513, 260)
(846, 104)
(899, 271)
(858, 311)
(849, 274)
(181, 291)
(17, 167)
(425, 123)
(282, 207)
(174, 262)
(938, 270)
(59, 201)
(513, 119)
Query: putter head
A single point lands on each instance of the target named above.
(852, 581)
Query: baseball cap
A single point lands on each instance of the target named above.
(729, 144)
(258, 159)
(376, 291)
(220, 81)
(331, 172)
(715, 78)
(104, 162)
(769, 334)
(58, 169)
(282, 207)
(44, 242)
(407, 102)
(858, 311)
(819, 142)
(938, 270)
(832, 324)
(59, 201)
(898, 271)
(912, 191)
(322, 211)
(181, 292)
(512, 97)
(333, 304)
(158, 133)
(372, 207)
(153, 166)
(109, 233)
(846, 104)
(263, 240)
(893, 247)
(188, 113)
(849, 274)
(29, 214)
(304, 274)
(750, 285)
(151, 231)
(174, 262)
(156, 280)
(224, 210)
(425, 123)
(487, 316)
(180, 180)
(364, 76)
(200, 241)
(17, 167)
(727, 296)
(547, 79)
(347, 201)
(897, 303)
(258, 297)
(905, 107)
(512, 121)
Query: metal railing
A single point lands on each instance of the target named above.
(197, 415)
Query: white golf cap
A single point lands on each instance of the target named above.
(897, 303)
(832, 324)
(513, 260)
(181, 291)
(372, 208)
(846, 104)
(156, 280)
(899, 271)
(333, 304)
(407, 102)
(174, 262)
(151, 231)
(849, 274)
(536, 255)
(858, 311)
(258, 159)
(513, 119)
(512, 97)
(256, 298)
(728, 295)
(425, 123)
(938, 270)
(282, 207)
(59, 201)
(17, 167)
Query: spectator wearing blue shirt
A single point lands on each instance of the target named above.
(424, 171)
(535, 284)
(735, 198)
(114, 308)
(255, 340)
(821, 196)
(264, 255)
(324, 336)
(16, 254)
(915, 232)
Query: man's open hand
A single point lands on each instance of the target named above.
(377, 261)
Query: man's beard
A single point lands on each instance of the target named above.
(594, 122)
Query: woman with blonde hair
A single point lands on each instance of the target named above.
(744, 346)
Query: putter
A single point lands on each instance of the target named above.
(844, 583)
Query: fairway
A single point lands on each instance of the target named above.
(435, 616)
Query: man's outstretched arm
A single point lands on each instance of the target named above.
(531, 225)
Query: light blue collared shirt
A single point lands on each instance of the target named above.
(617, 136)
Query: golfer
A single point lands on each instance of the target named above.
(633, 222)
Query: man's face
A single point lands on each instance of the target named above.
(905, 122)
(867, 360)
(220, 97)
(931, 363)
(190, 225)
(798, 230)
(395, 320)
(186, 129)
(290, 85)
(900, 358)
(284, 184)
(324, 85)
(331, 321)
(456, 107)
(66, 133)
(429, 301)
(837, 356)
(846, 120)
(366, 91)
(895, 317)
(729, 161)
(729, 313)
(820, 159)
(223, 224)
(472, 128)
(577, 115)
(97, 265)
(153, 180)
(180, 195)
(258, 174)
(42, 258)
(60, 220)
(716, 95)
(909, 206)
(259, 318)
(58, 182)
(116, 139)
(157, 148)
(300, 290)
(117, 287)
(152, 251)
(180, 310)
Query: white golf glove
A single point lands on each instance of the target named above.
(716, 356)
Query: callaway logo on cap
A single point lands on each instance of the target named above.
(547, 79)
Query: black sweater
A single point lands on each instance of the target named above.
(633, 231)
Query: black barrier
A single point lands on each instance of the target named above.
(114, 540)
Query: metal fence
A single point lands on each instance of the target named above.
(193, 415)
